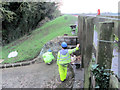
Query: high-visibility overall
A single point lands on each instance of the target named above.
(48, 57)
(63, 59)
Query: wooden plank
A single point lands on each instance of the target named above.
(70, 37)
(70, 40)
(67, 36)
(71, 46)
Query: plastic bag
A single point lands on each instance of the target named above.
(13, 54)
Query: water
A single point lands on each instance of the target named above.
(115, 62)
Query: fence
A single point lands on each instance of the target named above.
(103, 51)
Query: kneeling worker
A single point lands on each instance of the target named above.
(63, 59)
(48, 57)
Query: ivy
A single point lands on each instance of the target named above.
(102, 75)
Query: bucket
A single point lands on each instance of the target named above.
(65, 34)
(73, 32)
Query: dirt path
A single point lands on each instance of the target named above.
(35, 76)
(32, 76)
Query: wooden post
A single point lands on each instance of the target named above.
(0, 48)
(81, 34)
(119, 48)
(80, 28)
(0, 28)
(119, 41)
(88, 40)
(105, 49)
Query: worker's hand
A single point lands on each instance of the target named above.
(78, 45)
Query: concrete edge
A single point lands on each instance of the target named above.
(2, 66)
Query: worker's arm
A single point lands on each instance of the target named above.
(73, 50)
(58, 57)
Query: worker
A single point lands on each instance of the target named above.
(48, 57)
(98, 12)
(63, 59)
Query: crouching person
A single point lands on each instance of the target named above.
(48, 57)
(63, 59)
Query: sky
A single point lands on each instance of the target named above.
(89, 6)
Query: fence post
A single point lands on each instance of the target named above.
(80, 28)
(119, 41)
(119, 48)
(82, 34)
(105, 49)
(88, 50)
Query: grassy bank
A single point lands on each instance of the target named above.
(29, 47)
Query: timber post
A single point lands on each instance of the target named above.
(81, 34)
(119, 48)
(80, 30)
(105, 45)
(105, 49)
(88, 43)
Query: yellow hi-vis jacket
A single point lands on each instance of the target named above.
(48, 57)
(64, 56)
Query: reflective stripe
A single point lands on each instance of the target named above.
(74, 50)
(58, 58)
(65, 59)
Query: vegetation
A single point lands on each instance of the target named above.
(29, 46)
(101, 75)
(20, 18)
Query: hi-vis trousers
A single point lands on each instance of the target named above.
(62, 71)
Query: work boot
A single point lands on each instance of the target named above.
(50, 63)
(59, 81)
(66, 78)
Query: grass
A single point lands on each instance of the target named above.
(28, 47)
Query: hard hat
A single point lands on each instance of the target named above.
(64, 44)
(49, 50)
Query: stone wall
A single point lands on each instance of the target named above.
(54, 45)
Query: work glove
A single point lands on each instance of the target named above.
(78, 45)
